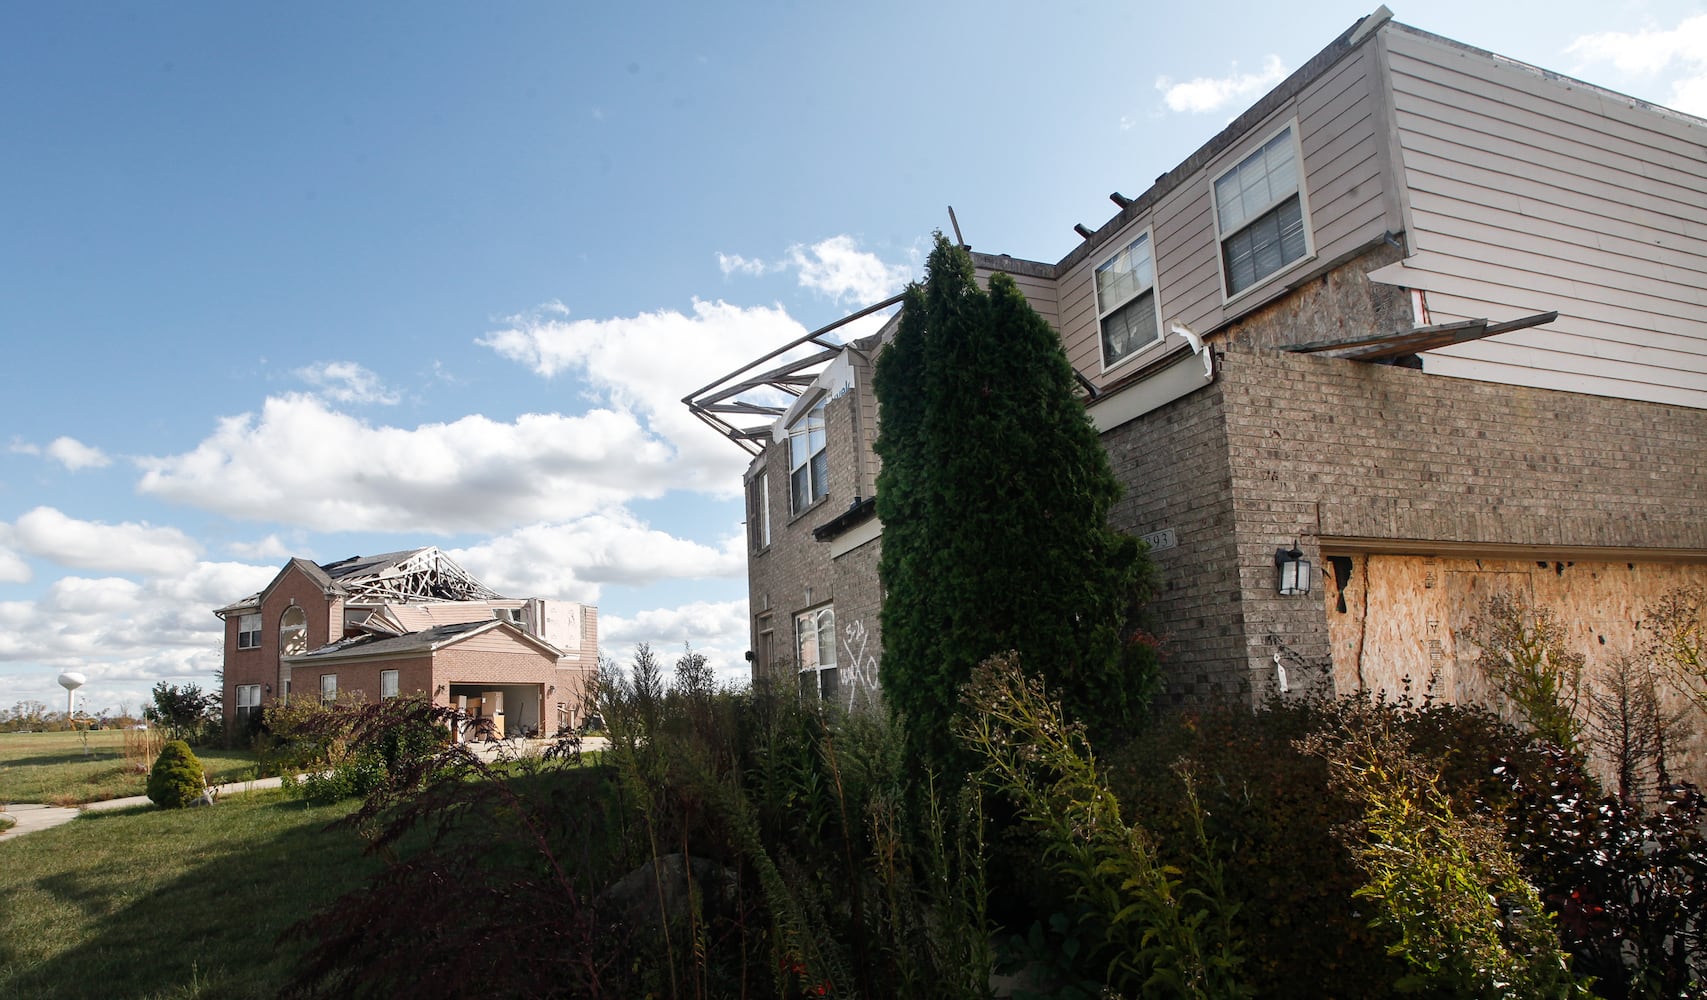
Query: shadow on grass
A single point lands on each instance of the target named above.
(189, 902)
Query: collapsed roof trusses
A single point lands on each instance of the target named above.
(720, 401)
(407, 577)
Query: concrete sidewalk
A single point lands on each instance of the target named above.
(32, 817)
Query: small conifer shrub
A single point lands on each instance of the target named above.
(177, 778)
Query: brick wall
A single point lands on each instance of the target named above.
(260, 665)
(1172, 465)
(1386, 457)
(795, 572)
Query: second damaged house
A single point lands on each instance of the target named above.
(410, 622)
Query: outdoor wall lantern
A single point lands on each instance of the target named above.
(1294, 571)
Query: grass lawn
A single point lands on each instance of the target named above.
(169, 904)
(53, 768)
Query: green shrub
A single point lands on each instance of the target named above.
(177, 778)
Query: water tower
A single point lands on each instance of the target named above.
(71, 680)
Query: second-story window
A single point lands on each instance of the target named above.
(1259, 213)
(759, 511)
(293, 632)
(1126, 302)
(249, 632)
(808, 468)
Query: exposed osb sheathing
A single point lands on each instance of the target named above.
(1403, 622)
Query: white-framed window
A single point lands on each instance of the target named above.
(248, 700)
(249, 632)
(1127, 312)
(388, 683)
(293, 632)
(1260, 214)
(815, 653)
(808, 467)
(759, 511)
(328, 687)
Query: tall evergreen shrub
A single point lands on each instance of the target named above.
(994, 496)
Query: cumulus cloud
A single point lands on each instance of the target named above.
(837, 268)
(716, 628)
(734, 263)
(67, 451)
(1681, 50)
(270, 547)
(1204, 95)
(346, 382)
(115, 548)
(13, 568)
(126, 635)
(645, 364)
(571, 561)
(301, 462)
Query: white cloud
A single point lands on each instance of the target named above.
(303, 463)
(270, 547)
(67, 451)
(13, 568)
(1207, 94)
(346, 382)
(125, 635)
(837, 268)
(1681, 50)
(573, 560)
(734, 263)
(645, 364)
(115, 548)
(75, 455)
(717, 629)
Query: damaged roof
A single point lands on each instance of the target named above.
(424, 641)
(408, 576)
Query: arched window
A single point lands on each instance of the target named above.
(293, 632)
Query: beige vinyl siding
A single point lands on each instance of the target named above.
(1348, 197)
(499, 640)
(1040, 292)
(1529, 193)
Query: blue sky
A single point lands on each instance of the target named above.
(320, 280)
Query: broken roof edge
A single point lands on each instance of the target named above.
(1348, 41)
(793, 378)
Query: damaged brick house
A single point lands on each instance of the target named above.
(1431, 317)
(403, 623)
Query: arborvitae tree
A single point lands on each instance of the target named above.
(176, 780)
(994, 496)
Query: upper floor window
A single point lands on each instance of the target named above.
(759, 511)
(1259, 213)
(1126, 302)
(815, 651)
(808, 467)
(249, 632)
(293, 632)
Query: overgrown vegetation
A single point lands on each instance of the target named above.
(994, 495)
